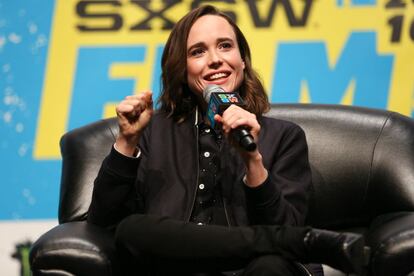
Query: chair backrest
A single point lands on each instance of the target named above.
(362, 162)
(83, 150)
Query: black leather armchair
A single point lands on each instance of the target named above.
(363, 172)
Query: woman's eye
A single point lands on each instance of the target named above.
(196, 52)
(225, 45)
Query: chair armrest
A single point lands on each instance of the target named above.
(391, 238)
(74, 248)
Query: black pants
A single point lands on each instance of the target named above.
(163, 246)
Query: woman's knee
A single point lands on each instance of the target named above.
(141, 232)
(122, 231)
(128, 231)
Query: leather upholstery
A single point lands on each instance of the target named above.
(76, 248)
(362, 163)
(82, 150)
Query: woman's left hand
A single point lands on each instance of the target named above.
(232, 118)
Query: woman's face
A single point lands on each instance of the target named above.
(213, 55)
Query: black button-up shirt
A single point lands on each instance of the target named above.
(208, 206)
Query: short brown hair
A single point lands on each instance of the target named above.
(176, 97)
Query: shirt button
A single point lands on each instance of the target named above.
(200, 223)
(207, 130)
(201, 186)
(206, 154)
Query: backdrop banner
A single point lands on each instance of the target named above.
(66, 63)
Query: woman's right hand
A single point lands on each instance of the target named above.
(134, 114)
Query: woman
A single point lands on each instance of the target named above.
(184, 197)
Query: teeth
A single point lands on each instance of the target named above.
(217, 76)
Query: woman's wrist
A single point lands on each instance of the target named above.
(256, 173)
(126, 146)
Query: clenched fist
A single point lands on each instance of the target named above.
(134, 114)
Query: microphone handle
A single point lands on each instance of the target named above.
(243, 137)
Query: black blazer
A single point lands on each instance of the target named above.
(163, 180)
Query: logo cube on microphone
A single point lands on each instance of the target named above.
(219, 102)
(231, 98)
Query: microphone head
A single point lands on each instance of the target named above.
(211, 88)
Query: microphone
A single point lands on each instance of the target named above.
(218, 101)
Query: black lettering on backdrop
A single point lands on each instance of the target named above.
(114, 20)
(82, 11)
(397, 21)
(145, 4)
(412, 30)
(395, 4)
(294, 20)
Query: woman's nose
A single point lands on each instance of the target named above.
(214, 59)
